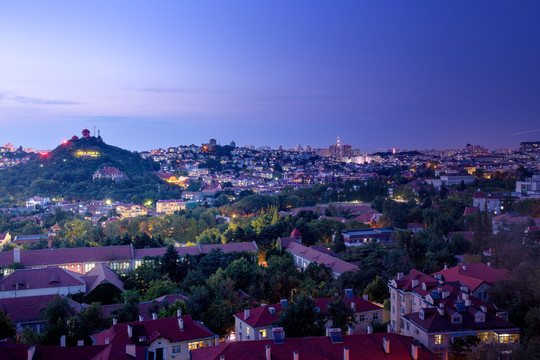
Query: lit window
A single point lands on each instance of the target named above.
(262, 334)
(483, 336)
(176, 349)
(197, 345)
(438, 339)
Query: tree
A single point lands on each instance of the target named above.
(170, 263)
(340, 314)
(130, 308)
(7, 327)
(87, 322)
(460, 347)
(300, 319)
(377, 290)
(56, 314)
(159, 288)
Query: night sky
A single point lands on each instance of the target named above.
(379, 74)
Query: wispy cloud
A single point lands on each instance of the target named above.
(525, 132)
(37, 101)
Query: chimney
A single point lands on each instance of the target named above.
(246, 314)
(154, 316)
(80, 342)
(268, 356)
(131, 350)
(370, 329)
(63, 340)
(31, 352)
(295, 355)
(16, 255)
(350, 330)
(365, 297)
(484, 309)
(107, 341)
(178, 312)
(28, 285)
(414, 283)
(353, 306)
(441, 311)
(221, 357)
(399, 276)
(114, 321)
(386, 345)
(445, 267)
(216, 340)
(181, 324)
(345, 353)
(389, 328)
(414, 351)
(467, 302)
(464, 267)
(130, 331)
(141, 318)
(489, 264)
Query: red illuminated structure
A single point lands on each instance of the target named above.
(86, 133)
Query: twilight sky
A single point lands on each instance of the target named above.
(410, 74)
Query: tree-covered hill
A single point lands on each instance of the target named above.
(67, 172)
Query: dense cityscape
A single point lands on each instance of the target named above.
(269, 180)
(204, 251)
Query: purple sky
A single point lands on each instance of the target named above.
(409, 74)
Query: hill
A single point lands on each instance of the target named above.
(66, 172)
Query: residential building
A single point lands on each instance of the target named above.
(303, 256)
(529, 187)
(21, 240)
(11, 351)
(130, 211)
(479, 278)
(4, 238)
(37, 201)
(434, 312)
(491, 203)
(164, 339)
(359, 237)
(505, 222)
(257, 323)
(379, 346)
(119, 258)
(110, 173)
(170, 206)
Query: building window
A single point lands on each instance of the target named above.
(506, 338)
(176, 349)
(393, 309)
(402, 310)
(483, 336)
(197, 345)
(416, 331)
(393, 296)
(88, 267)
(262, 334)
(375, 316)
(362, 318)
(408, 327)
(240, 325)
(438, 339)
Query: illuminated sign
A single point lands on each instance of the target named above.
(81, 153)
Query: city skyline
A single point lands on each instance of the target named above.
(379, 75)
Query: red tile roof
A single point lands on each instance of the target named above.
(144, 307)
(231, 247)
(470, 211)
(361, 347)
(337, 265)
(10, 351)
(102, 274)
(167, 328)
(31, 308)
(474, 275)
(41, 279)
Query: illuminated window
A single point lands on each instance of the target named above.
(88, 267)
(483, 336)
(247, 330)
(506, 338)
(262, 334)
(197, 345)
(438, 339)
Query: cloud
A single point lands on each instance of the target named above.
(525, 132)
(37, 101)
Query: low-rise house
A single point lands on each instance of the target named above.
(359, 237)
(479, 278)
(4, 238)
(434, 312)
(257, 323)
(29, 313)
(130, 211)
(303, 256)
(11, 351)
(170, 206)
(110, 173)
(169, 338)
(505, 222)
(37, 201)
(28, 240)
(332, 347)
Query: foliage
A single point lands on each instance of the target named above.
(300, 319)
(7, 327)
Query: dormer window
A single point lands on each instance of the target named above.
(272, 310)
(142, 339)
(424, 286)
(479, 318)
(456, 319)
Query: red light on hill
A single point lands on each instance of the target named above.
(44, 154)
(65, 142)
